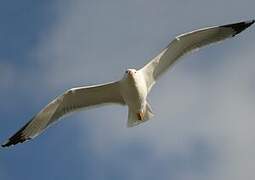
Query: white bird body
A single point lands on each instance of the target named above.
(132, 89)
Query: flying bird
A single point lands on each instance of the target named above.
(132, 89)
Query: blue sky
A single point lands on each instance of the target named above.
(204, 107)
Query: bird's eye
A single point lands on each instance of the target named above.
(126, 71)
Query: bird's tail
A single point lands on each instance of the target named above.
(133, 118)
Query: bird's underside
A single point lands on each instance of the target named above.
(123, 92)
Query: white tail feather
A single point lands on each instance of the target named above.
(133, 119)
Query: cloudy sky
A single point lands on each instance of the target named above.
(204, 107)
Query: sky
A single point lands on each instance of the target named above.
(203, 126)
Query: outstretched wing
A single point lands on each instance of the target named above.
(72, 100)
(189, 42)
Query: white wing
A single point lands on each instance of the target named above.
(187, 43)
(72, 100)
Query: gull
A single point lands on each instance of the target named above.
(132, 89)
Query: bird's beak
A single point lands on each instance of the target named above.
(130, 73)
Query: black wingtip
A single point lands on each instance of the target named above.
(239, 27)
(6, 144)
(18, 137)
(14, 140)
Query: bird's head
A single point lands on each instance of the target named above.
(130, 73)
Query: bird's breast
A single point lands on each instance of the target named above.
(134, 92)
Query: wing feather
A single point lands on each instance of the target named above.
(189, 42)
(72, 100)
